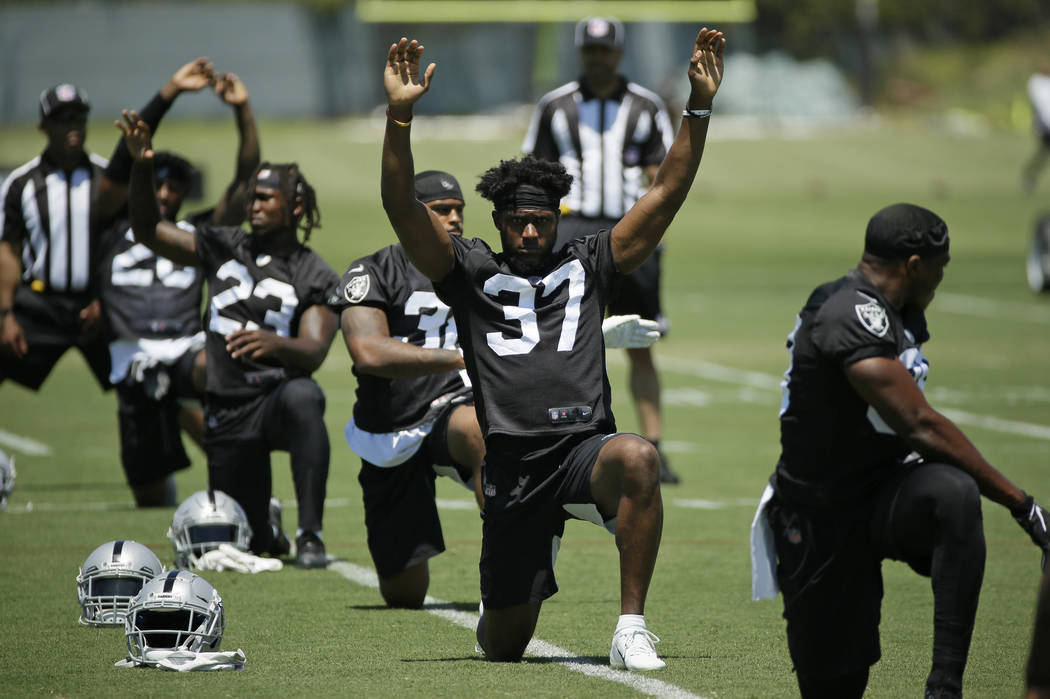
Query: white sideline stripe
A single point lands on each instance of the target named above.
(716, 372)
(714, 504)
(24, 445)
(541, 649)
(987, 308)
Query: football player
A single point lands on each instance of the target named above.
(153, 307)
(267, 330)
(869, 471)
(529, 324)
(414, 416)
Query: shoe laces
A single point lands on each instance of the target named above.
(638, 641)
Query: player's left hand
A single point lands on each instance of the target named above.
(706, 67)
(230, 88)
(1035, 520)
(89, 318)
(195, 75)
(630, 331)
(252, 344)
(136, 135)
(402, 80)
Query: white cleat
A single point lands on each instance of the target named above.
(632, 649)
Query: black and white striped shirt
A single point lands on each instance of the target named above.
(604, 143)
(47, 212)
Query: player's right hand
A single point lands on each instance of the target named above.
(403, 82)
(12, 338)
(136, 135)
(1035, 520)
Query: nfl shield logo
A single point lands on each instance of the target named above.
(873, 317)
(65, 92)
(357, 288)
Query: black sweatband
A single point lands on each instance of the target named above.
(902, 230)
(527, 196)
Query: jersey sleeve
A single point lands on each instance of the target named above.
(595, 252)
(215, 244)
(362, 284)
(852, 326)
(12, 225)
(539, 141)
(322, 280)
(660, 136)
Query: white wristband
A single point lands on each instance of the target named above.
(699, 113)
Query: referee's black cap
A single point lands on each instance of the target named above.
(61, 98)
(432, 185)
(902, 230)
(599, 31)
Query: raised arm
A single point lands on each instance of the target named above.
(113, 187)
(375, 352)
(425, 240)
(164, 238)
(230, 210)
(306, 351)
(638, 233)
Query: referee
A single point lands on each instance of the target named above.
(610, 135)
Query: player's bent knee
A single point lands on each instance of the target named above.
(304, 395)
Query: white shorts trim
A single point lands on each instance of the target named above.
(387, 449)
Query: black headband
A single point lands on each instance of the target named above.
(268, 177)
(527, 196)
(902, 230)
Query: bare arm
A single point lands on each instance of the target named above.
(230, 210)
(638, 233)
(305, 351)
(12, 338)
(165, 239)
(375, 352)
(425, 240)
(886, 385)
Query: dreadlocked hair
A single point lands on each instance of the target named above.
(498, 183)
(294, 189)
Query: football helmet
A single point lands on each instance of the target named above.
(110, 577)
(203, 521)
(7, 478)
(179, 610)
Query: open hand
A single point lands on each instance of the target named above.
(195, 75)
(136, 135)
(402, 80)
(230, 88)
(252, 344)
(706, 67)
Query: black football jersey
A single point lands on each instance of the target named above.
(386, 280)
(834, 447)
(251, 290)
(145, 295)
(533, 346)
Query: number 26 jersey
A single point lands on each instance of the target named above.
(533, 346)
(253, 290)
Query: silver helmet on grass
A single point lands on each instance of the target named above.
(110, 577)
(179, 610)
(203, 521)
(7, 478)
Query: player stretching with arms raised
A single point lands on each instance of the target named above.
(529, 324)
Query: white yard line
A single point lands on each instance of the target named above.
(989, 308)
(24, 445)
(646, 684)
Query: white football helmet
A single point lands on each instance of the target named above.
(179, 610)
(110, 577)
(7, 478)
(203, 521)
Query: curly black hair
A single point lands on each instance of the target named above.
(168, 166)
(499, 183)
(293, 186)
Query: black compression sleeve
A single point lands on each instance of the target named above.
(119, 168)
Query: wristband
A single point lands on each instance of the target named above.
(402, 124)
(698, 113)
(5, 311)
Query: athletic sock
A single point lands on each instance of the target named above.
(630, 621)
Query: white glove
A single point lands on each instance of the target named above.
(226, 557)
(188, 661)
(630, 332)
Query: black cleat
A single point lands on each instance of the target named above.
(309, 551)
(280, 546)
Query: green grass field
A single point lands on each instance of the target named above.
(768, 219)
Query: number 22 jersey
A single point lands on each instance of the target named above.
(252, 290)
(533, 346)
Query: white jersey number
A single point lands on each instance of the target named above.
(433, 315)
(245, 288)
(524, 312)
(128, 269)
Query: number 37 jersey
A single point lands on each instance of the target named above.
(533, 346)
(252, 290)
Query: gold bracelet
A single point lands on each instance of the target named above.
(402, 124)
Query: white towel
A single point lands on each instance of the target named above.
(763, 552)
(188, 660)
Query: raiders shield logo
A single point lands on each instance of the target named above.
(873, 317)
(357, 288)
